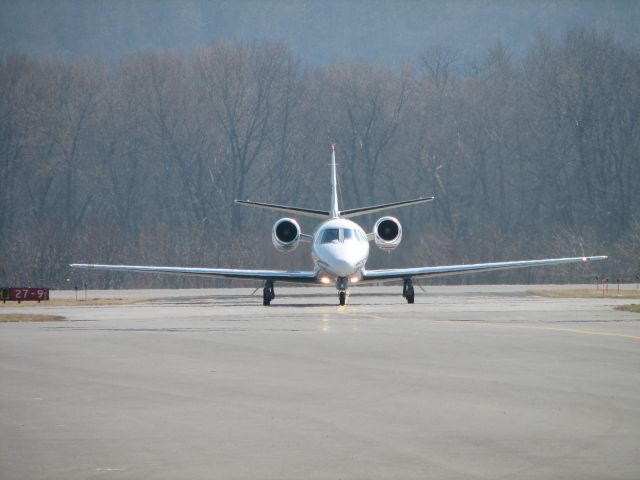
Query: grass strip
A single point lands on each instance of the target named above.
(585, 293)
(68, 302)
(29, 317)
(634, 307)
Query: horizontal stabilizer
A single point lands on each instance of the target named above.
(354, 212)
(286, 208)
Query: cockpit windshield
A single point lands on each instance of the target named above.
(349, 234)
(342, 235)
(331, 235)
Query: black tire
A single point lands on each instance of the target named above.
(343, 297)
(410, 295)
(266, 297)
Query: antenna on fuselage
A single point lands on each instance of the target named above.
(335, 212)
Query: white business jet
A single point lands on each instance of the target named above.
(340, 249)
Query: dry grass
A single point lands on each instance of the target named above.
(69, 302)
(29, 317)
(585, 293)
(634, 307)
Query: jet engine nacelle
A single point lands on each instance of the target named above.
(285, 234)
(387, 233)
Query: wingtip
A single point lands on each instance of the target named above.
(595, 257)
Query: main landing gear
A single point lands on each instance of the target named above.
(268, 293)
(407, 290)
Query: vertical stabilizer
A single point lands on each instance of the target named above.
(335, 212)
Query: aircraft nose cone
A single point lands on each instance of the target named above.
(342, 268)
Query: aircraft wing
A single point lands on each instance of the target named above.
(401, 273)
(275, 275)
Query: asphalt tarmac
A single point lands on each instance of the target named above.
(469, 382)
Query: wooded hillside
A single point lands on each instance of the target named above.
(139, 161)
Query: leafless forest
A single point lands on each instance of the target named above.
(138, 161)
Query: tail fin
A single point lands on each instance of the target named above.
(335, 211)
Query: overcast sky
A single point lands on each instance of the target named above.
(320, 31)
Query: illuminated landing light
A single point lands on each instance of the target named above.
(354, 279)
(325, 280)
(584, 259)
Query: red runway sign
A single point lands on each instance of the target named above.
(24, 294)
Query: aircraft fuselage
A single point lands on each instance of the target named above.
(340, 250)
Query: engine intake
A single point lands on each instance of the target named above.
(285, 234)
(387, 233)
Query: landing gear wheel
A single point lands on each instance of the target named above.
(268, 293)
(407, 291)
(342, 296)
(266, 296)
(410, 295)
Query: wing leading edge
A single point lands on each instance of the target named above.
(279, 275)
(400, 273)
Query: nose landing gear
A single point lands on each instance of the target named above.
(268, 293)
(341, 285)
(407, 290)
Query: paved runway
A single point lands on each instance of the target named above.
(469, 382)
